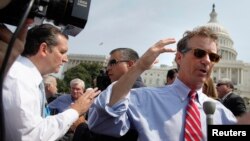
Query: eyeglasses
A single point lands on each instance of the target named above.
(220, 84)
(200, 53)
(114, 62)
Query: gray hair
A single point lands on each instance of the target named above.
(77, 81)
(227, 82)
(48, 79)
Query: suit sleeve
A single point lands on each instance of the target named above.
(238, 106)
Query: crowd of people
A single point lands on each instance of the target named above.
(126, 109)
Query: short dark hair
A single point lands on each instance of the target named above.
(38, 34)
(171, 73)
(127, 53)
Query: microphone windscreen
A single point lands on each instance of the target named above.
(209, 107)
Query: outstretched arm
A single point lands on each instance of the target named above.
(125, 83)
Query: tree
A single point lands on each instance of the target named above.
(85, 71)
(62, 86)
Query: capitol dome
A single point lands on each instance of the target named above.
(214, 25)
(219, 29)
(227, 50)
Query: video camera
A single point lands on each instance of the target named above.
(70, 15)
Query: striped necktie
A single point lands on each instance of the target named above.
(192, 124)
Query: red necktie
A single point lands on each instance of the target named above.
(192, 124)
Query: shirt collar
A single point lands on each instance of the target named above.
(36, 75)
(183, 90)
(225, 96)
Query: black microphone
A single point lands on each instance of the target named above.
(209, 109)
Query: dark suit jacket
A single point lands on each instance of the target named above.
(235, 103)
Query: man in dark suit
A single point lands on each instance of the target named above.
(232, 101)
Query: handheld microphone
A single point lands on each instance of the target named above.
(209, 109)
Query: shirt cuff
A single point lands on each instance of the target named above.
(118, 108)
(71, 114)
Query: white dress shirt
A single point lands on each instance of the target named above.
(22, 106)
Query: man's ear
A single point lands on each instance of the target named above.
(43, 49)
(178, 57)
(130, 63)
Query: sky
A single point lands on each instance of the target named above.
(138, 24)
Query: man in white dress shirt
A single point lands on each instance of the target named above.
(44, 53)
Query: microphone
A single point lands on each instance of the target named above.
(209, 109)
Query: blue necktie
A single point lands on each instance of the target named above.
(44, 109)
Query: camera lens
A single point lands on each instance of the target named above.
(71, 15)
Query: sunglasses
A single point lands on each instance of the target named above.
(200, 53)
(114, 62)
(220, 84)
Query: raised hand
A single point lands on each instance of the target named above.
(149, 57)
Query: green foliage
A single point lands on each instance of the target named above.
(62, 86)
(85, 71)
